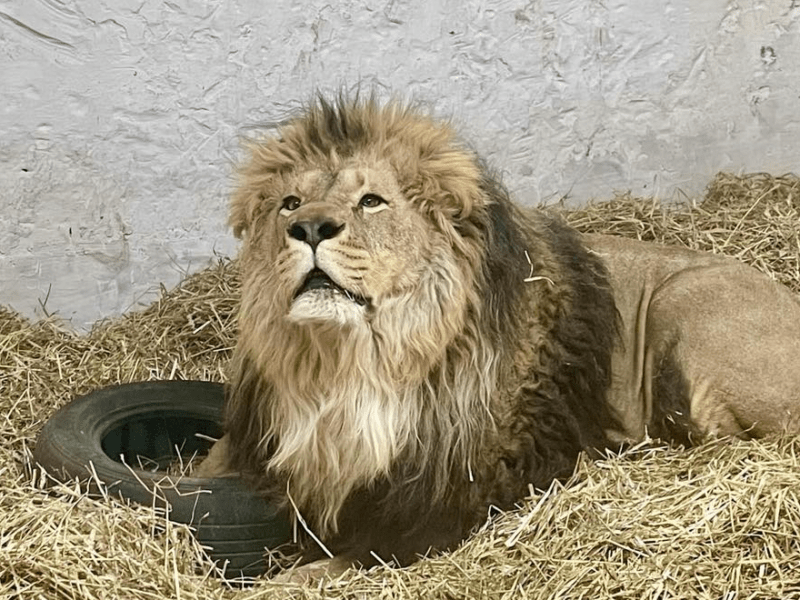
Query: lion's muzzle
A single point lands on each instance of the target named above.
(317, 279)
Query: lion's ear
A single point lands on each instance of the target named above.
(249, 199)
(452, 180)
(243, 206)
(264, 160)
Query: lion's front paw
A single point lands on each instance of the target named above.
(216, 463)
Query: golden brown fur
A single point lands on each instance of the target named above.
(415, 349)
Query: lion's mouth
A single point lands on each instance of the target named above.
(317, 279)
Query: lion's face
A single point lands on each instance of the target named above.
(359, 225)
(344, 243)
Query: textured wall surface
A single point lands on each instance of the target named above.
(119, 119)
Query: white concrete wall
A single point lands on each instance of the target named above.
(119, 119)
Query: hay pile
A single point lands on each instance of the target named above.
(720, 521)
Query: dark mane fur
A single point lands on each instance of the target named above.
(587, 333)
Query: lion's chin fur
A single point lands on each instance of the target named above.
(326, 307)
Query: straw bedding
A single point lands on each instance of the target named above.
(719, 521)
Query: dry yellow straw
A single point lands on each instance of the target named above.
(720, 521)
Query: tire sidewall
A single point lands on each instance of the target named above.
(220, 509)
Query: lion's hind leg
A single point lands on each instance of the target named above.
(671, 417)
(724, 345)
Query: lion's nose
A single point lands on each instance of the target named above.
(314, 231)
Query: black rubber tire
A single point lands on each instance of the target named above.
(149, 419)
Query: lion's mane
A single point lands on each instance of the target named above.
(398, 434)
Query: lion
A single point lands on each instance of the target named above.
(414, 348)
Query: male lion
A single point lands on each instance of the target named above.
(415, 348)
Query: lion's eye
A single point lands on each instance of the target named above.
(371, 201)
(290, 203)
